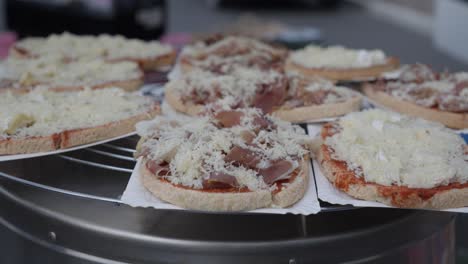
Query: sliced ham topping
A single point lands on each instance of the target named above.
(219, 180)
(229, 118)
(242, 157)
(460, 87)
(158, 168)
(317, 97)
(268, 97)
(248, 136)
(278, 170)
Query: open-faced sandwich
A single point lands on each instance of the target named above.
(59, 74)
(398, 160)
(339, 63)
(231, 161)
(314, 99)
(151, 55)
(220, 54)
(42, 120)
(419, 91)
(241, 87)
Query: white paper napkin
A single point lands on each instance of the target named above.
(137, 195)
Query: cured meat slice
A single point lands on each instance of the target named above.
(278, 170)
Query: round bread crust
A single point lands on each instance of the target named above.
(127, 85)
(213, 201)
(450, 119)
(173, 98)
(348, 74)
(74, 137)
(451, 198)
(314, 112)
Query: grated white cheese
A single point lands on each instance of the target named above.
(92, 47)
(240, 84)
(201, 147)
(337, 57)
(390, 149)
(58, 111)
(54, 71)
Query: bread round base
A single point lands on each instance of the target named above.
(315, 112)
(157, 63)
(451, 198)
(348, 74)
(173, 98)
(450, 119)
(75, 137)
(219, 201)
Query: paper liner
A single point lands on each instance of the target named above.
(328, 193)
(40, 154)
(137, 195)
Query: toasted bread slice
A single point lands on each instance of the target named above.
(348, 74)
(209, 200)
(450, 119)
(450, 196)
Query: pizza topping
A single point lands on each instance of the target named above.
(92, 47)
(54, 72)
(278, 170)
(244, 86)
(417, 73)
(315, 92)
(337, 57)
(42, 112)
(390, 149)
(419, 84)
(224, 53)
(215, 156)
(219, 180)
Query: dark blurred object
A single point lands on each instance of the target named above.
(143, 19)
(273, 4)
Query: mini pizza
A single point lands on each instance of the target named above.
(313, 99)
(397, 160)
(234, 160)
(150, 55)
(219, 55)
(241, 87)
(42, 120)
(339, 63)
(59, 74)
(421, 92)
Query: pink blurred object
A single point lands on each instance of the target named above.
(7, 39)
(177, 39)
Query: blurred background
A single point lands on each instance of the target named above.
(431, 32)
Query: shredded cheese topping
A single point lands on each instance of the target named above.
(197, 148)
(229, 51)
(54, 71)
(391, 149)
(91, 47)
(47, 112)
(241, 84)
(337, 57)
